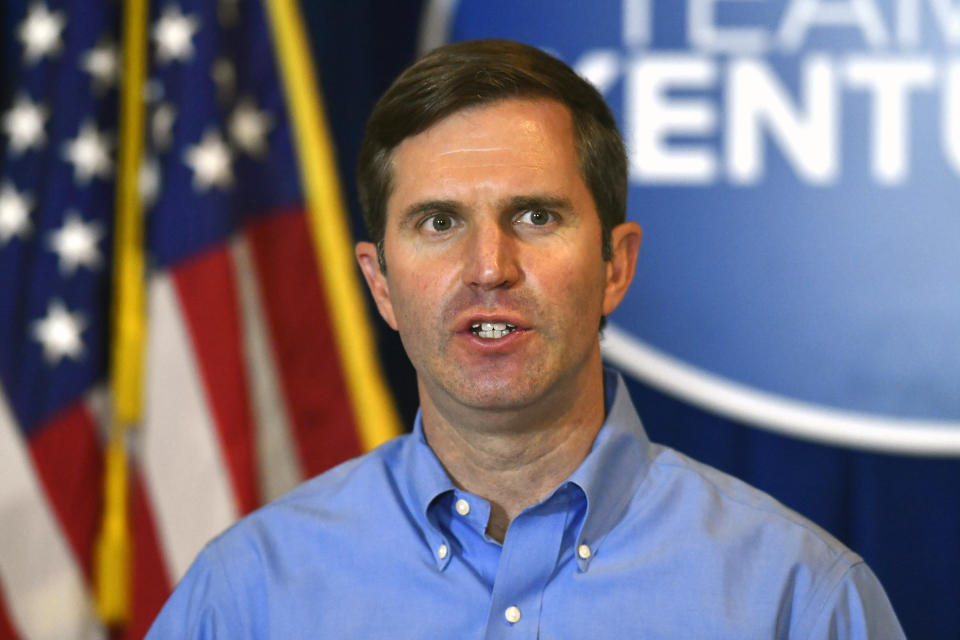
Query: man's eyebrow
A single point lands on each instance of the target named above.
(536, 201)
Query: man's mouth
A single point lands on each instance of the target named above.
(492, 330)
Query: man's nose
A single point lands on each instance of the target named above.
(491, 257)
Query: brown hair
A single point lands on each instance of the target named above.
(466, 74)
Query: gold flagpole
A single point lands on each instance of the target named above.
(370, 399)
(112, 553)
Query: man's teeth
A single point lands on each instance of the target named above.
(493, 330)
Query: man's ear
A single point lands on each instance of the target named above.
(376, 280)
(625, 240)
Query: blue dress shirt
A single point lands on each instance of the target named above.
(640, 542)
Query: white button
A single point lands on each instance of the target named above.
(442, 551)
(463, 507)
(512, 614)
(584, 551)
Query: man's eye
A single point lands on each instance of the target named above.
(536, 217)
(439, 222)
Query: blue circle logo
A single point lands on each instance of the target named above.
(796, 169)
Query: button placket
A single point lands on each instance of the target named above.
(529, 558)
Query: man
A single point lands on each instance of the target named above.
(528, 501)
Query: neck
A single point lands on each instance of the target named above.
(515, 457)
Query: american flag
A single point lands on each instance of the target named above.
(248, 385)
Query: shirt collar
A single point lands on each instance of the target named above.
(608, 476)
(616, 465)
(423, 480)
(427, 477)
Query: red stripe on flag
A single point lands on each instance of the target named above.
(7, 632)
(303, 342)
(67, 455)
(208, 297)
(151, 585)
(69, 461)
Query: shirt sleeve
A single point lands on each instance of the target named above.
(856, 609)
(202, 607)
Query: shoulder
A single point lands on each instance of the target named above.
(709, 495)
(720, 535)
(298, 546)
(358, 475)
(342, 503)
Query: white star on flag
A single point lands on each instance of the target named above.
(224, 76)
(210, 160)
(174, 35)
(249, 127)
(23, 124)
(103, 64)
(161, 125)
(75, 243)
(40, 32)
(89, 154)
(59, 333)
(14, 213)
(148, 181)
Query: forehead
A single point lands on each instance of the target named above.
(514, 144)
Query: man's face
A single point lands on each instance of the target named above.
(495, 278)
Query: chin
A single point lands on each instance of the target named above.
(499, 394)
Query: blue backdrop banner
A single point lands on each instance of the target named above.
(795, 318)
